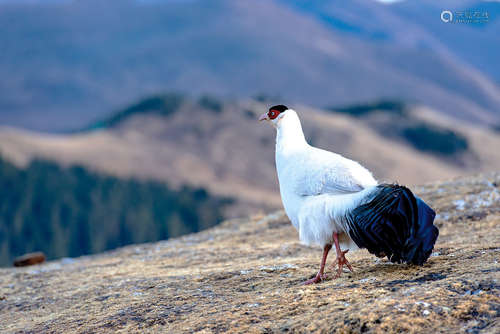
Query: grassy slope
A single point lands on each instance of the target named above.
(244, 276)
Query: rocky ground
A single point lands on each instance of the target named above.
(245, 275)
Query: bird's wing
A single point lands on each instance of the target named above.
(333, 180)
(327, 173)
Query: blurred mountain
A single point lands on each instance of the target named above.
(475, 44)
(65, 63)
(417, 25)
(218, 144)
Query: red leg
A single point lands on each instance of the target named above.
(341, 260)
(321, 273)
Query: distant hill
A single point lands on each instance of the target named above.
(218, 144)
(71, 211)
(394, 119)
(66, 63)
(162, 105)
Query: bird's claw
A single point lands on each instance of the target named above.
(341, 261)
(316, 279)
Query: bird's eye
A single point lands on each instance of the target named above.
(272, 113)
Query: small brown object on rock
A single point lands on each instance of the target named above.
(29, 259)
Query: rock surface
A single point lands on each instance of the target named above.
(245, 275)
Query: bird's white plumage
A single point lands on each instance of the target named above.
(317, 187)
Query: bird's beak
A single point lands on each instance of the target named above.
(263, 117)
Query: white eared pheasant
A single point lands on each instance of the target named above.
(333, 200)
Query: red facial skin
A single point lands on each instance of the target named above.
(272, 114)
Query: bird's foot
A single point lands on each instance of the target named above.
(341, 261)
(318, 278)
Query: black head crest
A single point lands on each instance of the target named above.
(281, 108)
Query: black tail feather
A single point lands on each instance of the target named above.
(394, 223)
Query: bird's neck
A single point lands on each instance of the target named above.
(289, 136)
